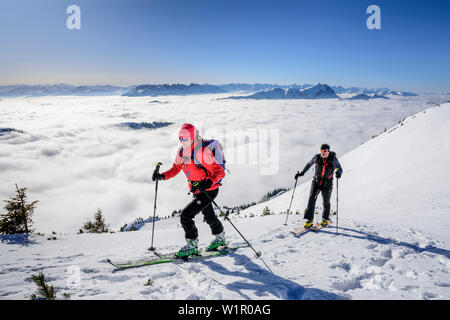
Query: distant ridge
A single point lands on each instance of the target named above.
(264, 89)
(154, 90)
(59, 90)
(319, 91)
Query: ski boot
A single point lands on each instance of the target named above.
(308, 224)
(190, 249)
(325, 222)
(218, 241)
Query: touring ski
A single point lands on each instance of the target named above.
(316, 227)
(166, 258)
(302, 230)
(138, 263)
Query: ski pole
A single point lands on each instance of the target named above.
(154, 206)
(258, 254)
(287, 214)
(337, 206)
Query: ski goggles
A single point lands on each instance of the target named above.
(184, 139)
(324, 150)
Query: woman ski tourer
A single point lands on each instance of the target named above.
(325, 163)
(203, 165)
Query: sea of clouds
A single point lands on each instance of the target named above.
(75, 155)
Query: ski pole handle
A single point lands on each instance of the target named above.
(156, 171)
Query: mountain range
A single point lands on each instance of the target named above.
(60, 90)
(293, 91)
(319, 91)
(154, 90)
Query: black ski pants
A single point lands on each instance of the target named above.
(203, 204)
(325, 188)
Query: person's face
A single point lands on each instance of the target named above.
(186, 143)
(324, 153)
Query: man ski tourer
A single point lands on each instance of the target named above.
(325, 164)
(202, 163)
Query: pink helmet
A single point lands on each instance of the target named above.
(188, 131)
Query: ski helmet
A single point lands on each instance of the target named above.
(188, 131)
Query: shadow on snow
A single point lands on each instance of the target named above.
(22, 239)
(371, 237)
(264, 282)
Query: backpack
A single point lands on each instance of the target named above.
(217, 151)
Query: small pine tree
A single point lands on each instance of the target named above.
(19, 213)
(149, 282)
(45, 291)
(98, 226)
(266, 211)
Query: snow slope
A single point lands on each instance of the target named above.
(393, 240)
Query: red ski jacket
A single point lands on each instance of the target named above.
(209, 167)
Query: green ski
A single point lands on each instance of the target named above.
(137, 263)
(160, 258)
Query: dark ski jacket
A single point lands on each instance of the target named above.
(324, 168)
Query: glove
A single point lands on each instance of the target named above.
(205, 184)
(158, 176)
(202, 185)
(338, 174)
(299, 174)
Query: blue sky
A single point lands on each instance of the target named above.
(216, 41)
